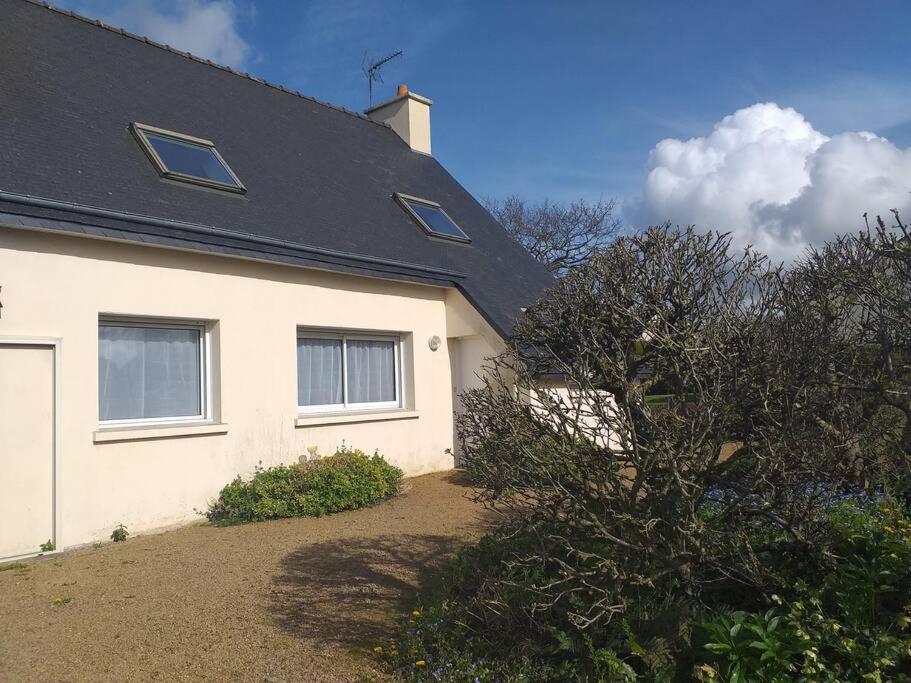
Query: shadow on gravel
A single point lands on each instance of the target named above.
(459, 478)
(344, 592)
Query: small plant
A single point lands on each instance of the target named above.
(758, 646)
(12, 565)
(48, 546)
(119, 534)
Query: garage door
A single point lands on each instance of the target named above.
(26, 448)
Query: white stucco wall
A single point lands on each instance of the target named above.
(56, 286)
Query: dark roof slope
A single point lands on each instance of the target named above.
(319, 179)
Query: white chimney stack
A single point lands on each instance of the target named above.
(408, 115)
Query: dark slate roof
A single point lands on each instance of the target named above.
(319, 179)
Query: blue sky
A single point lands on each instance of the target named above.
(567, 99)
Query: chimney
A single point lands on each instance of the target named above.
(408, 115)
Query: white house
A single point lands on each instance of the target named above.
(201, 271)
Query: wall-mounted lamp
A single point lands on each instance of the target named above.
(434, 343)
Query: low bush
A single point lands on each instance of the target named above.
(479, 623)
(347, 480)
(848, 621)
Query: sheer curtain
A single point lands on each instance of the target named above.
(319, 372)
(148, 372)
(371, 371)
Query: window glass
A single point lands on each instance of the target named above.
(189, 159)
(149, 372)
(371, 371)
(434, 220)
(319, 372)
(338, 372)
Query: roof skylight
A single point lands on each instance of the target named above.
(431, 217)
(186, 158)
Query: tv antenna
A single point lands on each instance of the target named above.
(372, 70)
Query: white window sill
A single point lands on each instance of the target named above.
(141, 432)
(352, 417)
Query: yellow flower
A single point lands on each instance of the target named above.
(378, 649)
(420, 662)
(888, 529)
(415, 613)
(58, 601)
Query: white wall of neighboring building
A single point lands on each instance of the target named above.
(57, 286)
(586, 414)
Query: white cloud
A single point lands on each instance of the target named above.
(772, 180)
(206, 28)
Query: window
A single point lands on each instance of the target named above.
(338, 372)
(431, 217)
(151, 371)
(186, 158)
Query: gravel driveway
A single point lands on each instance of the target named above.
(289, 600)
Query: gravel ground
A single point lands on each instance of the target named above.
(289, 600)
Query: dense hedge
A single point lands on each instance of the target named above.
(348, 480)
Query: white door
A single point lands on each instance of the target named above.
(26, 448)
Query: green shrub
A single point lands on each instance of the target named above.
(849, 624)
(345, 481)
(848, 621)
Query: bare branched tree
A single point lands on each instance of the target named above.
(788, 389)
(858, 289)
(559, 236)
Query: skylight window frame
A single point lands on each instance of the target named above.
(139, 132)
(403, 200)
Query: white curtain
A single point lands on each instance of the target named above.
(371, 371)
(319, 372)
(148, 372)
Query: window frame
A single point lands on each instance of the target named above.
(141, 129)
(403, 201)
(345, 406)
(205, 379)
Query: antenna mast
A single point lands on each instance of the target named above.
(372, 70)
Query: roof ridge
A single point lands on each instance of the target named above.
(201, 60)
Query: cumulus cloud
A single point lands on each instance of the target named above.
(206, 28)
(772, 180)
